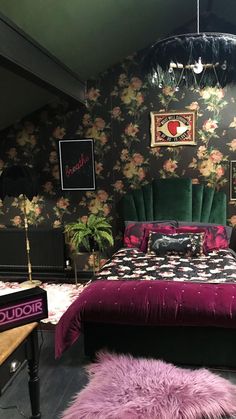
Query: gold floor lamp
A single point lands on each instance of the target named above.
(21, 182)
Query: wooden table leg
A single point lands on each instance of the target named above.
(33, 359)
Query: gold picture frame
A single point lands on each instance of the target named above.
(173, 128)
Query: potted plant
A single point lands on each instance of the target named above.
(94, 234)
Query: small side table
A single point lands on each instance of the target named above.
(10, 341)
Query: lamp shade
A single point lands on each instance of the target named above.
(175, 60)
(17, 180)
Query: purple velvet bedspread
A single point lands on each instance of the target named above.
(148, 303)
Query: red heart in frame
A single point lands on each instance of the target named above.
(172, 127)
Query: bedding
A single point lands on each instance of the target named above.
(168, 292)
(135, 288)
(136, 234)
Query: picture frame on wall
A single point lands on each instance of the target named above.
(173, 128)
(232, 180)
(77, 165)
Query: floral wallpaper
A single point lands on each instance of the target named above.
(117, 116)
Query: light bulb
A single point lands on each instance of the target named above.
(198, 67)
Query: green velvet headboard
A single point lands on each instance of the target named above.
(175, 199)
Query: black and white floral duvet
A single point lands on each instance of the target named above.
(131, 263)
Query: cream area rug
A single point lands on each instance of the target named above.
(60, 297)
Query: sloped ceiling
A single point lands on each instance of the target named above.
(90, 36)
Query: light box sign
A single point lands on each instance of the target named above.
(77, 169)
(22, 307)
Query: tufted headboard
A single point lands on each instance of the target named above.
(175, 199)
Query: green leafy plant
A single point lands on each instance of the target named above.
(95, 234)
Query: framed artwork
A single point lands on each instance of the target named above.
(172, 128)
(232, 181)
(77, 167)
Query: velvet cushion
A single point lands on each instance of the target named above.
(176, 244)
(134, 232)
(215, 236)
(168, 229)
(228, 229)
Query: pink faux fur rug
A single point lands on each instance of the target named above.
(123, 387)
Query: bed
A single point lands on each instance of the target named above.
(177, 306)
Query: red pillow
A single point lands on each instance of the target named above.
(215, 236)
(134, 232)
(157, 229)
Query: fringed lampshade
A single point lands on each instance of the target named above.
(194, 60)
(202, 59)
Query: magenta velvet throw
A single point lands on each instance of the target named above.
(147, 302)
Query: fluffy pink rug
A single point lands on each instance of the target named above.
(122, 387)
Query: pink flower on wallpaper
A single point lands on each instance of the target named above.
(12, 153)
(118, 185)
(106, 210)
(84, 219)
(194, 106)
(59, 132)
(141, 173)
(139, 98)
(206, 168)
(102, 195)
(220, 171)
(170, 165)
(122, 81)
(48, 187)
(16, 221)
(124, 156)
(55, 172)
(202, 151)
(98, 168)
(99, 123)
(232, 220)
(216, 156)
(168, 91)
(131, 130)
(93, 94)
(86, 119)
(103, 138)
(116, 112)
(53, 157)
(63, 203)
(136, 83)
(232, 145)
(137, 159)
(210, 125)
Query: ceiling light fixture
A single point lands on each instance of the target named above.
(193, 60)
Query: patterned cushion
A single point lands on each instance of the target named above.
(215, 236)
(176, 244)
(158, 229)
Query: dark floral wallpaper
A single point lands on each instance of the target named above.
(117, 116)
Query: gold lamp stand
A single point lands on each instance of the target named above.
(30, 283)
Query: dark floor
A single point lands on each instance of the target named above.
(59, 381)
